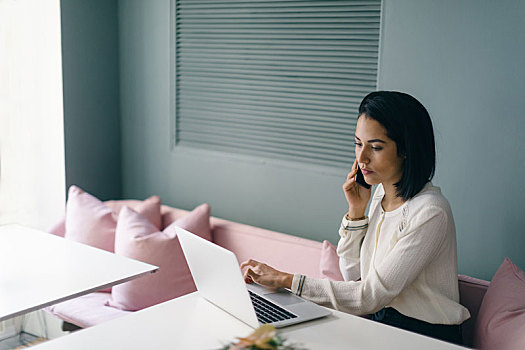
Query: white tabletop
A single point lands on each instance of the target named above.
(38, 269)
(190, 322)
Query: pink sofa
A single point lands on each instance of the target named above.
(246, 242)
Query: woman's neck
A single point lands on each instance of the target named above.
(391, 201)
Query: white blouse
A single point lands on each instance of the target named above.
(405, 259)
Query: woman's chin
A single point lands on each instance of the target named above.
(371, 180)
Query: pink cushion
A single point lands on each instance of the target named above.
(90, 221)
(169, 215)
(86, 311)
(59, 228)
(329, 264)
(501, 319)
(138, 239)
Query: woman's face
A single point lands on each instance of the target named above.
(376, 153)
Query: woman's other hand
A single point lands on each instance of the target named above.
(357, 196)
(265, 275)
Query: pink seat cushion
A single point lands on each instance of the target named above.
(90, 221)
(329, 264)
(139, 239)
(86, 311)
(501, 319)
(471, 293)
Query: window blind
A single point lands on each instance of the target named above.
(279, 79)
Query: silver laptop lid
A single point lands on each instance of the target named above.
(225, 289)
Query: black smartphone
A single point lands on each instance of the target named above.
(359, 178)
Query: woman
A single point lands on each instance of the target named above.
(400, 262)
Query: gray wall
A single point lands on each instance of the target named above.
(91, 96)
(293, 198)
(464, 61)
(461, 59)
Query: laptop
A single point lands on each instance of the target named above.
(219, 280)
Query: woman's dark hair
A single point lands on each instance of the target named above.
(408, 124)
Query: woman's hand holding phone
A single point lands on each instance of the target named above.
(356, 195)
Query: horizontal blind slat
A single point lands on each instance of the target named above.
(299, 42)
(212, 62)
(240, 95)
(278, 146)
(328, 115)
(298, 5)
(298, 156)
(286, 74)
(365, 83)
(246, 90)
(342, 128)
(274, 3)
(197, 33)
(318, 59)
(320, 87)
(292, 52)
(267, 105)
(325, 94)
(336, 137)
(258, 28)
(302, 120)
(272, 21)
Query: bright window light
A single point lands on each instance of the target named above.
(32, 173)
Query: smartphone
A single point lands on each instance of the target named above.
(359, 178)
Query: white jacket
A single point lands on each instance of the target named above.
(405, 259)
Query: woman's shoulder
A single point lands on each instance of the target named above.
(431, 207)
(430, 198)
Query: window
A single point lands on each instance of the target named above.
(32, 175)
(278, 79)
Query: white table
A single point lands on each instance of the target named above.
(190, 322)
(38, 269)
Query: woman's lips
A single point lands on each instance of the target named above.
(366, 172)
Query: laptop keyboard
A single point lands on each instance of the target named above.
(268, 312)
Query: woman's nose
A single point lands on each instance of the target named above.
(362, 157)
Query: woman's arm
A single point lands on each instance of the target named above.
(353, 227)
(391, 275)
(349, 247)
(351, 232)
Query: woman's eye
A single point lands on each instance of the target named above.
(357, 144)
(377, 148)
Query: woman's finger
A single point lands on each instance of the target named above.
(247, 277)
(353, 172)
(252, 276)
(349, 181)
(249, 262)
